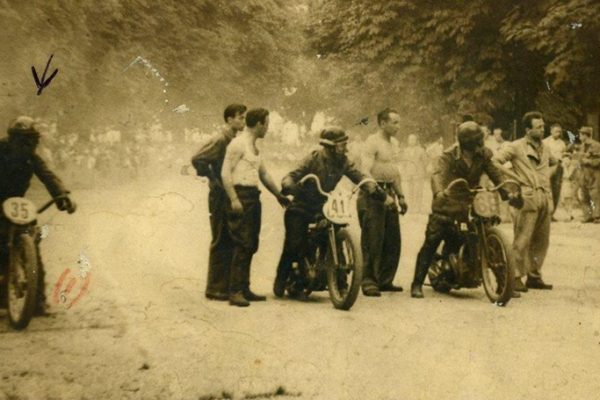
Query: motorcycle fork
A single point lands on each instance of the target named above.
(483, 244)
(333, 244)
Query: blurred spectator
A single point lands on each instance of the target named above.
(557, 148)
(413, 165)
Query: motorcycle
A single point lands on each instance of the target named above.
(334, 259)
(483, 255)
(19, 280)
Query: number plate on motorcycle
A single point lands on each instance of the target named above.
(19, 210)
(337, 209)
(486, 204)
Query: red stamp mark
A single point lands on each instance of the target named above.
(63, 290)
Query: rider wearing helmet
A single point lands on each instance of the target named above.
(18, 163)
(467, 159)
(330, 164)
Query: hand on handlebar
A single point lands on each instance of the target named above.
(66, 204)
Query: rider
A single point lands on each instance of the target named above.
(18, 163)
(467, 159)
(330, 164)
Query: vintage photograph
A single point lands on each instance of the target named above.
(299, 199)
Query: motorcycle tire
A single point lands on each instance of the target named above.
(498, 265)
(22, 281)
(350, 265)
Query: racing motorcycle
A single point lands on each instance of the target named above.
(334, 259)
(19, 279)
(481, 253)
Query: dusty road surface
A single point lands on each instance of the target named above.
(143, 329)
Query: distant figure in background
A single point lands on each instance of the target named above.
(208, 162)
(380, 223)
(414, 163)
(495, 141)
(433, 151)
(557, 148)
(590, 176)
(243, 168)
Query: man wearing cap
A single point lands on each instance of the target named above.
(18, 163)
(590, 176)
(208, 162)
(467, 159)
(531, 161)
(380, 224)
(330, 164)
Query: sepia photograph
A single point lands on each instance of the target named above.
(299, 199)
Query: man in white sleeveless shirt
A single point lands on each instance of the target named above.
(242, 170)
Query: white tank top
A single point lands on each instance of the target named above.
(245, 172)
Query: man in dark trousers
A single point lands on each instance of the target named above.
(330, 164)
(467, 159)
(18, 163)
(208, 162)
(243, 169)
(379, 222)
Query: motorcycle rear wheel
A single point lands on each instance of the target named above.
(21, 282)
(497, 270)
(344, 279)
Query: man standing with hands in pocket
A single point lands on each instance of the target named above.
(243, 168)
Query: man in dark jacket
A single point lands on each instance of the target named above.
(18, 163)
(208, 162)
(330, 164)
(467, 159)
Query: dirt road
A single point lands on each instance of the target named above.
(144, 330)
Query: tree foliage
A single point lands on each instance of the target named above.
(495, 58)
(209, 52)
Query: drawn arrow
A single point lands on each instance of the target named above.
(41, 84)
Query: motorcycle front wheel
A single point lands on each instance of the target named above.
(496, 269)
(22, 280)
(345, 278)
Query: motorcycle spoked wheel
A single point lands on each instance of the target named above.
(344, 279)
(497, 270)
(22, 281)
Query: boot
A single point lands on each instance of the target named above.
(416, 291)
(519, 286)
(238, 299)
(251, 296)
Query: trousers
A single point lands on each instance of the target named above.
(532, 233)
(380, 241)
(221, 246)
(244, 230)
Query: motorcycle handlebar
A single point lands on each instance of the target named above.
(320, 189)
(477, 190)
(50, 202)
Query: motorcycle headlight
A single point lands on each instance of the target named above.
(486, 204)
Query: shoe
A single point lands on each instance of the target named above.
(587, 220)
(40, 310)
(371, 292)
(251, 296)
(416, 291)
(220, 296)
(538, 283)
(279, 288)
(519, 287)
(391, 288)
(597, 220)
(553, 219)
(516, 294)
(238, 299)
